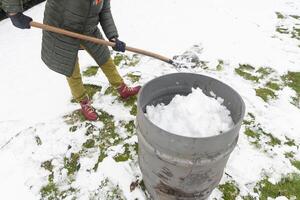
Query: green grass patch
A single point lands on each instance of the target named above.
(290, 142)
(220, 65)
(73, 118)
(129, 126)
(123, 59)
(282, 30)
(111, 91)
(264, 72)
(265, 93)
(47, 165)
(90, 71)
(248, 197)
(108, 191)
(273, 85)
(92, 89)
(279, 15)
(90, 143)
(129, 150)
(230, 190)
(257, 136)
(73, 128)
(252, 134)
(107, 136)
(287, 186)
(296, 163)
(295, 16)
(292, 80)
(296, 33)
(50, 191)
(72, 164)
(246, 67)
(289, 155)
(273, 141)
(246, 75)
(133, 78)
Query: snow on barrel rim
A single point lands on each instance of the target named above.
(193, 115)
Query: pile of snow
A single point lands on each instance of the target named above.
(194, 115)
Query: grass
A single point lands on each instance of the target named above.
(246, 67)
(279, 15)
(257, 135)
(290, 142)
(264, 72)
(295, 16)
(51, 190)
(108, 191)
(72, 164)
(220, 65)
(273, 85)
(107, 136)
(133, 78)
(289, 154)
(293, 31)
(287, 186)
(126, 60)
(246, 75)
(73, 118)
(282, 30)
(90, 143)
(90, 71)
(265, 93)
(230, 190)
(101, 136)
(130, 102)
(111, 91)
(292, 80)
(296, 163)
(91, 90)
(129, 151)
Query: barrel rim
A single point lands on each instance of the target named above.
(236, 125)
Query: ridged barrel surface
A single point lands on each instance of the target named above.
(177, 167)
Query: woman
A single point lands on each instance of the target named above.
(60, 52)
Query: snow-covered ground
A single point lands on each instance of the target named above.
(253, 46)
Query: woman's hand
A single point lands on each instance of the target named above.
(20, 20)
(119, 45)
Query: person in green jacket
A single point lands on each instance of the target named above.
(60, 53)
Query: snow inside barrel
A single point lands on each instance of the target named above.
(176, 164)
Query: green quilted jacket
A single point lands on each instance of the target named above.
(59, 52)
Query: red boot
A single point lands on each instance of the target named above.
(126, 92)
(87, 110)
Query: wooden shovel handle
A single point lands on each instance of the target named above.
(97, 40)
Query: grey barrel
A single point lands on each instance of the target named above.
(178, 167)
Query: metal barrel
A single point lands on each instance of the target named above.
(178, 167)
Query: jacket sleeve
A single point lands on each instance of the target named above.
(12, 6)
(107, 21)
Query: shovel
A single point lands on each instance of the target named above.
(100, 41)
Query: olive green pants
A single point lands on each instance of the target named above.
(76, 85)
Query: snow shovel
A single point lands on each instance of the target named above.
(100, 41)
